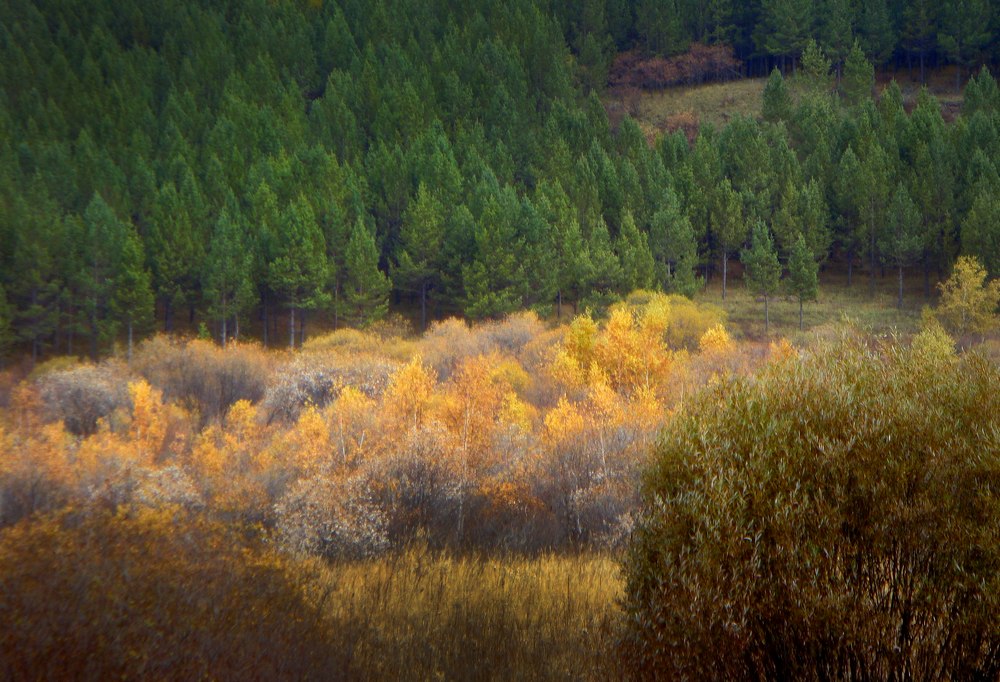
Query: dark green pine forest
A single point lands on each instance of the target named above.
(264, 164)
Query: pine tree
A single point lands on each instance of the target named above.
(606, 269)
(875, 30)
(964, 32)
(635, 257)
(872, 195)
(674, 247)
(836, 32)
(785, 26)
(762, 269)
(175, 252)
(366, 288)
(226, 281)
(298, 271)
(981, 229)
(777, 105)
(34, 284)
(729, 225)
(902, 240)
(919, 32)
(7, 335)
(859, 76)
(131, 300)
(803, 274)
(418, 263)
(104, 232)
(570, 254)
(495, 279)
(815, 74)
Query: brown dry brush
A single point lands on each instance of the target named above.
(701, 63)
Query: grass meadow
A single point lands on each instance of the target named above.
(426, 615)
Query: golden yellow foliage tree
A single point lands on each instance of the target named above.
(968, 302)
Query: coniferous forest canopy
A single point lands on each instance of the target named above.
(600, 458)
(257, 163)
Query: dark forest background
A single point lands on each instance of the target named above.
(263, 163)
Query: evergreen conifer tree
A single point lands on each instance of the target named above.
(226, 281)
(298, 271)
(131, 300)
(762, 269)
(366, 288)
(803, 274)
(418, 264)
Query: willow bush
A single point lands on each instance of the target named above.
(836, 516)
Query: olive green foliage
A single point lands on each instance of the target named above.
(834, 517)
(777, 102)
(968, 301)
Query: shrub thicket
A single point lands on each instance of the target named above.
(154, 595)
(835, 517)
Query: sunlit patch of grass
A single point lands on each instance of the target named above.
(836, 303)
(427, 615)
(715, 103)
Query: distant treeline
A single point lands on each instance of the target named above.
(772, 32)
(245, 162)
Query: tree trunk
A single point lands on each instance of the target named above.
(93, 335)
(899, 302)
(559, 305)
(800, 313)
(168, 316)
(129, 356)
(224, 330)
(725, 269)
(927, 279)
(423, 306)
(871, 247)
(265, 318)
(302, 329)
(767, 319)
(850, 266)
(291, 327)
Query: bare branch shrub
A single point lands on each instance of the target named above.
(202, 376)
(83, 395)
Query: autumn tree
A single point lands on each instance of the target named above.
(968, 301)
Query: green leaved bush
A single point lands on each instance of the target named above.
(835, 516)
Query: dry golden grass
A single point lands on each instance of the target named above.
(422, 615)
(835, 303)
(716, 103)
